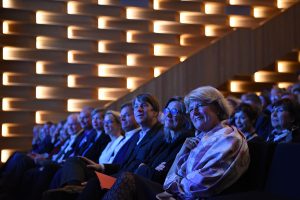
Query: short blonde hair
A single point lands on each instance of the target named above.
(212, 96)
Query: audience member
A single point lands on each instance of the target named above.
(206, 164)
(285, 119)
(244, 119)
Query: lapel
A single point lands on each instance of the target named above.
(150, 134)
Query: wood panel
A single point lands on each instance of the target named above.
(17, 66)
(17, 117)
(69, 68)
(17, 41)
(24, 54)
(128, 24)
(35, 105)
(34, 80)
(97, 10)
(53, 6)
(68, 93)
(147, 37)
(181, 6)
(109, 82)
(17, 15)
(38, 30)
(96, 34)
(147, 14)
(100, 58)
(66, 44)
(27, 92)
(124, 47)
(243, 51)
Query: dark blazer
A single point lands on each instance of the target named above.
(166, 153)
(138, 153)
(95, 148)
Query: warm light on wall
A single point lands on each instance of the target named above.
(210, 8)
(260, 76)
(39, 67)
(7, 53)
(259, 12)
(183, 17)
(210, 30)
(131, 13)
(235, 86)
(70, 57)
(102, 46)
(38, 117)
(104, 2)
(70, 32)
(5, 154)
(131, 60)
(157, 49)
(7, 4)
(233, 21)
(5, 27)
(72, 7)
(131, 83)
(234, 2)
(5, 78)
(183, 58)
(156, 26)
(102, 70)
(41, 92)
(40, 17)
(5, 104)
(71, 81)
(73, 105)
(299, 56)
(182, 39)
(129, 35)
(157, 71)
(282, 66)
(101, 23)
(280, 4)
(155, 4)
(4, 130)
(39, 42)
(284, 84)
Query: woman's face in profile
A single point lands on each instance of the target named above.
(203, 116)
(173, 116)
(281, 118)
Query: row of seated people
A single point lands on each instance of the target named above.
(195, 152)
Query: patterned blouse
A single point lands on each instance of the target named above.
(216, 162)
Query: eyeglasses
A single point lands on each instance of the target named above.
(173, 111)
(197, 106)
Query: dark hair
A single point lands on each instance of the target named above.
(247, 109)
(146, 97)
(290, 106)
(252, 97)
(98, 110)
(126, 104)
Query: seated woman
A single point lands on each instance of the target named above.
(177, 127)
(206, 164)
(244, 117)
(285, 118)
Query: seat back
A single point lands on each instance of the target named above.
(254, 178)
(284, 175)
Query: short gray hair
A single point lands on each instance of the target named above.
(212, 96)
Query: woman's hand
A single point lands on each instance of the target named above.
(161, 166)
(191, 142)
